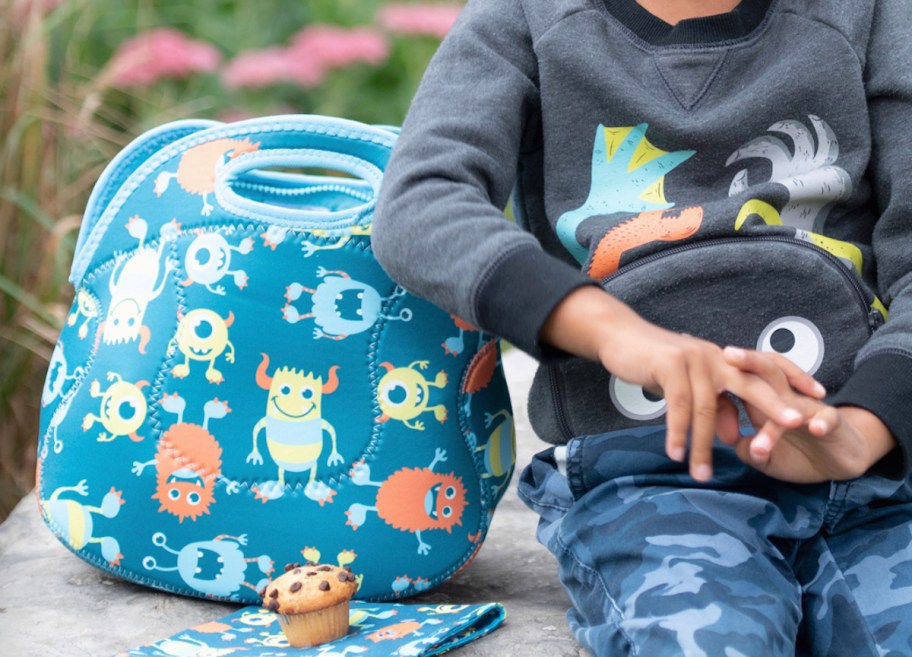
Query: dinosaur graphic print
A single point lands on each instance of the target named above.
(808, 172)
(628, 175)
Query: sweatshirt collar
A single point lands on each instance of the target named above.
(739, 22)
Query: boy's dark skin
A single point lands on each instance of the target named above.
(800, 438)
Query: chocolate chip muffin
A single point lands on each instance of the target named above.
(312, 602)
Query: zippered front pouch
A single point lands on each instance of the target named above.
(768, 293)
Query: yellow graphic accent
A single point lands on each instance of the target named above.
(643, 153)
(845, 251)
(770, 216)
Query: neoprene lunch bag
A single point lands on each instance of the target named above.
(240, 386)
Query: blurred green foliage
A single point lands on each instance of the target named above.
(61, 121)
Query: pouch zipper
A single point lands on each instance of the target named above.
(563, 422)
(872, 315)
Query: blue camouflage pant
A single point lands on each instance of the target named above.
(657, 564)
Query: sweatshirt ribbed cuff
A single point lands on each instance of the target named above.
(519, 293)
(882, 384)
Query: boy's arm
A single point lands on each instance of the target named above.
(440, 229)
(882, 381)
(441, 233)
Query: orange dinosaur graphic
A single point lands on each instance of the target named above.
(199, 164)
(644, 228)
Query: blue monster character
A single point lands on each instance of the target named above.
(73, 520)
(215, 567)
(341, 306)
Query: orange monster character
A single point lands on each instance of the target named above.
(412, 499)
(395, 631)
(199, 164)
(188, 462)
(403, 629)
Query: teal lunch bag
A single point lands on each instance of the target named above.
(239, 385)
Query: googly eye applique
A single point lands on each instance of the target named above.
(796, 338)
(633, 401)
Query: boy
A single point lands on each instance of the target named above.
(688, 175)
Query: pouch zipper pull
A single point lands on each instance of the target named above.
(875, 319)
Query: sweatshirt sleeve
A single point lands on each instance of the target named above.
(440, 230)
(882, 381)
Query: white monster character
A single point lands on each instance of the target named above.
(86, 306)
(57, 376)
(208, 260)
(135, 282)
(274, 236)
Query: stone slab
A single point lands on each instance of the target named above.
(53, 604)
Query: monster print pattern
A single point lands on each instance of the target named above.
(376, 630)
(236, 379)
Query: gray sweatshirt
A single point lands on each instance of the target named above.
(745, 178)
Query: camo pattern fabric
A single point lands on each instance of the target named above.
(657, 564)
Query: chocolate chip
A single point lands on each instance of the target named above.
(324, 585)
(263, 592)
(312, 573)
(325, 568)
(274, 593)
(343, 577)
(311, 563)
(297, 571)
(347, 569)
(273, 605)
(295, 587)
(291, 566)
(352, 578)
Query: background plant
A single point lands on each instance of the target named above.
(79, 79)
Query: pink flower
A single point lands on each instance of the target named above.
(159, 54)
(433, 19)
(255, 69)
(314, 51)
(336, 47)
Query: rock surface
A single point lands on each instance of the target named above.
(55, 605)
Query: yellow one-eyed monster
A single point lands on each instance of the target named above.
(202, 335)
(403, 394)
(122, 411)
(294, 427)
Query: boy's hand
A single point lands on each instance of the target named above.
(836, 443)
(692, 374)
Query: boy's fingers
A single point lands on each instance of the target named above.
(824, 421)
(678, 406)
(780, 405)
(761, 445)
(727, 421)
(798, 378)
(703, 419)
(771, 366)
